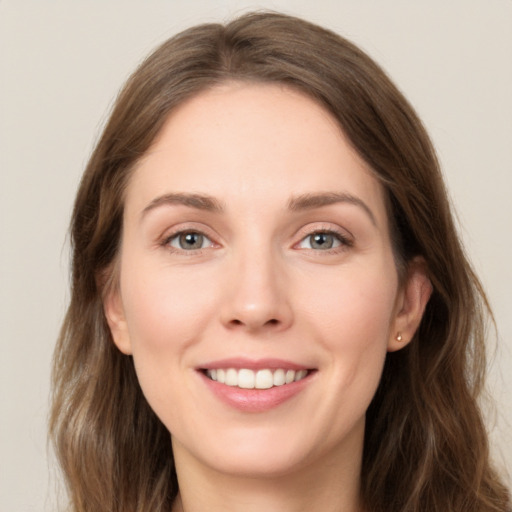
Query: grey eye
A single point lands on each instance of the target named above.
(321, 241)
(189, 241)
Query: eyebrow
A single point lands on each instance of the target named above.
(198, 201)
(311, 201)
(302, 202)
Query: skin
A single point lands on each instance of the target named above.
(258, 288)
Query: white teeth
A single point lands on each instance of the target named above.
(264, 379)
(279, 377)
(246, 379)
(231, 377)
(300, 375)
(261, 379)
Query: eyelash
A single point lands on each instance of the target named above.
(344, 241)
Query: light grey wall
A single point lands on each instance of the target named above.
(61, 64)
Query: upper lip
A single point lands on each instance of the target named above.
(253, 364)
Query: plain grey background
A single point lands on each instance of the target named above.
(61, 64)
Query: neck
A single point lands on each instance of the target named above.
(332, 485)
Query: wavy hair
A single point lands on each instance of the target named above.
(425, 444)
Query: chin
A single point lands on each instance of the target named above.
(270, 451)
(267, 462)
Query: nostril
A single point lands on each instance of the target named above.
(235, 322)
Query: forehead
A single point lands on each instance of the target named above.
(260, 141)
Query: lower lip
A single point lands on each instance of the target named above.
(255, 400)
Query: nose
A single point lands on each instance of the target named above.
(258, 295)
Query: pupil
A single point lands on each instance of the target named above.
(191, 241)
(322, 241)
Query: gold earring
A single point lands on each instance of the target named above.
(399, 337)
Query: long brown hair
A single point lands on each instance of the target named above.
(425, 444)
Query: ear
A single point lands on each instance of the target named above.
(114, 312)
(411, 303)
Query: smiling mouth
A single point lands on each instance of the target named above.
(245, 378)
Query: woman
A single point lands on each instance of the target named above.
(270, 304)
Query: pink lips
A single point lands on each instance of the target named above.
(239, 363)
(254, 400)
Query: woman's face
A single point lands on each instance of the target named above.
(256, 251)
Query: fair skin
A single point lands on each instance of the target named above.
(255, 244)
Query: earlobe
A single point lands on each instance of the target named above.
(114, 313)
(413, 300)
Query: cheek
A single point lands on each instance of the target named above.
(352, 301)
(353, 320)
(165, 310)
(166, 313)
